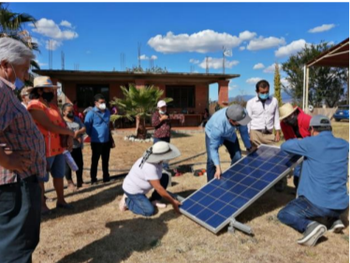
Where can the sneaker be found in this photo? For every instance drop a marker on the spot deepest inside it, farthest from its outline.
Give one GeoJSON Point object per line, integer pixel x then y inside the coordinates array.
{"type": "Point", "coordinates": [122, 204]}
{"type": "Point", "coordinates": [312, 233]}
{"type": "Point", "coordinates": [337, 226]}
{"type": "Point", "coordinates": [158, 204]}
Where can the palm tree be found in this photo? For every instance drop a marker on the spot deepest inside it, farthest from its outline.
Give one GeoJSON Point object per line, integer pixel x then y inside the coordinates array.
{"type": "Point", "coordinates": [12, 25]}
{"type": "Point", "coordinates": [139, 104]}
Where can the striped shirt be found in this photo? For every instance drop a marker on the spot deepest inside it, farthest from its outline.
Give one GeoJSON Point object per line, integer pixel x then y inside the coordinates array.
{"type": "Point", "coordinates": [19, 132]}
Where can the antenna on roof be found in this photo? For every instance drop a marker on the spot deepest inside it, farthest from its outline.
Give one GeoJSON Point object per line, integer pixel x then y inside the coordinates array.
{"type": "Point", "coordinates": [139, 53]}
{"type": "Point", "coordinates": [206, 65]}
{"type": "Point", "coordinates": [122, 61]}
{"type": "Point", "coordinates": [223, 59]}
{"type": "Point", "coordinates": [62, 60]}
{"type": "Point", "coordinates": [50, 45]}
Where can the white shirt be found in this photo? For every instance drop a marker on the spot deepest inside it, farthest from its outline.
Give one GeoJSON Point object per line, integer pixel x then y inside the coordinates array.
{"type": "Point", "coordinates": [263, 117]}
{"type": "Point", "coordinates": [137, 180]}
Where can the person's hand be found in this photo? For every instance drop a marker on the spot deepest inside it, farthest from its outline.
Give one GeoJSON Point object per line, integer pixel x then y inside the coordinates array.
{"type": "Point", "coordinates": [277, 137]}
{"type": "Point", "coordinates": [217, 174]}
{"type": "Point", "coordinates": [17, 161]}
{"type": "Point", "coordinates": [251, 149]}
{"type": "Point", "coordinates": [164, 117]}
{"type": "Point", "coordinates": [76, 135]}
{"type": "Point", "coordinates": [176, 206]}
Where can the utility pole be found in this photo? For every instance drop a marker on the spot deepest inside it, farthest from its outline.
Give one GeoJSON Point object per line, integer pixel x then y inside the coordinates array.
{"type": "Point", "coordinates": [139, 53]}
{"type": "Point", "coordinates": [206, 65]}
{"type": "Point", "coordinates": [62, 60]}
{"type": "Point", "coordinates": [223, 59]}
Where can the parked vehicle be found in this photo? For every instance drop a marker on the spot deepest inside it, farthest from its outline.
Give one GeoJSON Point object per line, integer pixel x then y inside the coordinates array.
{"type": "Point", "coordinates": [342, 113]}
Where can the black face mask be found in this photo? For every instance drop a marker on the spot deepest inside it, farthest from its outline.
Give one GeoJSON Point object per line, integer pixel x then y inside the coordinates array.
{"type": "Point", "coordinates": [70, 115]}
{"type": "Point", "coordinates": [48, 96]}
{"type": "Point", "coordinates": [292, 120]}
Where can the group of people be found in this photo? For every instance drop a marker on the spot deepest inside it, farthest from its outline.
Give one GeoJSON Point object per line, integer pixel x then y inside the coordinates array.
{"type": "Point", "coordinates": [35, 136]}
{"type": "Point", "coordinates": [320, 180]}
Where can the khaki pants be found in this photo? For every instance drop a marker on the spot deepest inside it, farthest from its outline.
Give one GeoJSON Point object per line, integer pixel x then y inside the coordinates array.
{"type": "Point", "coordinates": [258, 138]}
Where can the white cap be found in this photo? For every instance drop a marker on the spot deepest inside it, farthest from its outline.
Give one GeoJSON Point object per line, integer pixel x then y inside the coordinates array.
{"type": "Point", "coordinates": [161, 103]}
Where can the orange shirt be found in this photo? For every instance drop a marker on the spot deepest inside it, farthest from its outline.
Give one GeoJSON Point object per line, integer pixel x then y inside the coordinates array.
{"type": "Point", "coordinates": [52, 140]}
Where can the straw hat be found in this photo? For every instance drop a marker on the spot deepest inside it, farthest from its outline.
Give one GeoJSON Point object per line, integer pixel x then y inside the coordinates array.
{"type": "Point", "coordinates": [160, 151]}
{"type": "Point", "coordinates": [43, 82]}
{"type": "Point", "coordinates": [286, 110]}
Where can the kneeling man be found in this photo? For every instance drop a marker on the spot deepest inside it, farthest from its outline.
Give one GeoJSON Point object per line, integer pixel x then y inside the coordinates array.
{"type": "Point", "coordinates": [322, 191]}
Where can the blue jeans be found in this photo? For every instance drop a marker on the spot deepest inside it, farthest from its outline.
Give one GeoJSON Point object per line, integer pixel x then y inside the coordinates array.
{"type": "Point", "coordinates": [233, 149]}
{"type": "Point", "coordinates": [300, 212]}
{"type": "Point", "coordinates": [20, 211]}
{"type": "Point", "coordinates": [139, 204]}
{"type": "Point", "coordinates": [57, 165]}
{"type": "Point", "coordinates": [164, 139]}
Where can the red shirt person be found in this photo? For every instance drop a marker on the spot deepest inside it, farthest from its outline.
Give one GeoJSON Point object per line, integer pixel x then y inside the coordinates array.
{"type": "Point", "coordinates": [294, 124]}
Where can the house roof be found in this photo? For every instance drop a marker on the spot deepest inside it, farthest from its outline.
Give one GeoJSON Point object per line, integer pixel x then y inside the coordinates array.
{"type": "Point", "coordinates": [337, 56]}
{"type": "Point", "coordinates": [77, 75]}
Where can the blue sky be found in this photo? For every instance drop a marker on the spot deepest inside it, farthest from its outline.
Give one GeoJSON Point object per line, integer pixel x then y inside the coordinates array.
{"type": "Point", "coordinates": [179, 36]}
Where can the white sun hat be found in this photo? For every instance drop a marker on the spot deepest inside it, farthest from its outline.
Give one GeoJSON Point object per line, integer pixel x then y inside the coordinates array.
{"type": "Point", "coordinates": [160, 151]}
{"type": "Point", "coordinates": [161, 103]}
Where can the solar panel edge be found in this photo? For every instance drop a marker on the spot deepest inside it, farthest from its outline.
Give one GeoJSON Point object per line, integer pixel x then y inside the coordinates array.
{"type": "Point", "coordinates": [251, 200]}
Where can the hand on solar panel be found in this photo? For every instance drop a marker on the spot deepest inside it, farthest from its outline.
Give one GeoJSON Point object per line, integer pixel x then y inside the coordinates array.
{"type": "Point", "coordinates": [176, 205]}
{"type": "Point", "coordinates": [252, 149]}
{"type": "Point", "coordinates": [277, 136]}
{"type": "Point", "coordinates": [217, 174]}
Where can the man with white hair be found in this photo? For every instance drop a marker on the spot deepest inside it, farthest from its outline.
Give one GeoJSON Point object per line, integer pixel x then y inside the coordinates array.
{"type": "Point", "coordinates": [322, 191]}
{"type": "Point", "coordinates": [22, 159]}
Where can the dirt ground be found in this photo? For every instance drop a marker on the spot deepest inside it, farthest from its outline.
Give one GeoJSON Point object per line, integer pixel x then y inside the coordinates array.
{"type": "Point", "coordinates": [96, 231]}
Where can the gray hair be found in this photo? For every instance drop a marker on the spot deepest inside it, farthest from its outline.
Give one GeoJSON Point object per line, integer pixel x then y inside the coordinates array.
{"type": "Point", "coordinates": [14, 51]}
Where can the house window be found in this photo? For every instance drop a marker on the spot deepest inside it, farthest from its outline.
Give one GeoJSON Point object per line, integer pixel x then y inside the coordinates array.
{"type": "Point", "coordinates": [183, 96]}
{"type": "Point", "coordinates": [86, 93]}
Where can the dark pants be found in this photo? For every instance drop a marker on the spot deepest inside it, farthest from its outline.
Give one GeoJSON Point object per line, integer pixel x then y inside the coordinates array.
{"type": "Point", "coordinates": [164, 139]}
{"type": "Point", "coordinates": [20, 211]}
{"type": "Point", "coordinates": [300, 212]}
{"type": "Point", "coordinates": [139, 203]}
{"type": "Point", "coordinates": [233, 149]}
{"type": "Point", "coordinates": [77, 155]}
{"type": "Point", "coordinates": [99, 149]}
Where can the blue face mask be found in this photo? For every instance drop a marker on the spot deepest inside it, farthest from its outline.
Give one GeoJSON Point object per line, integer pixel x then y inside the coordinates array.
{"type": "Point", "coordinates": [264, 96]}
{"type": "Point", "coordinates": [19, 84]}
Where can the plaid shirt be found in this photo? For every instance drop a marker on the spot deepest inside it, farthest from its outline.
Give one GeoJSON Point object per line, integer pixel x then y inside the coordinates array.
{"type": "Point", "coordinates": [19, 132]}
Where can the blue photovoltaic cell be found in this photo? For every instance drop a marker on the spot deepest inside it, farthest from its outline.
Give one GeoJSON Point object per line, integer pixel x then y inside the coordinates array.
{"type": "Point", "coordinates": [214, 204]}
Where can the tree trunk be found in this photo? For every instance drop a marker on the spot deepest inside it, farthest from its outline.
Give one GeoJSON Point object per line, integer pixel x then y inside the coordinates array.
{"type": "Point", "coordinates": [141, 128]}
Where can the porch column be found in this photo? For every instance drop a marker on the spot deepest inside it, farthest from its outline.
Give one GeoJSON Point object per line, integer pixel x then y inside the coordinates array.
{"type": "Point", "coordinates": [223, 91]}
{"type": "Point", "coordinates": [140, 83]}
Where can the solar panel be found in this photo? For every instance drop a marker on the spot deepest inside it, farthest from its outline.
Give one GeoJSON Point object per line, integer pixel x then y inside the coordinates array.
{"type": "Point", "coordinates": [216, 203]}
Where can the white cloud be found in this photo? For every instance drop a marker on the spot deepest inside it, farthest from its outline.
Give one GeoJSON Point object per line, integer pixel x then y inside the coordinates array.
{"type": "Point", "coordinates": [41, 64]}
{"type": "Point", "coordinates": [290, 49]}
{"type": "Point", "coordinates": [194, 61]}
{"type": "Point", "coordinates": [50, 29]}
{"type": "Point", "coordinates": [35, 40]}
{"type": "Point", "coordinates": [258, 66]}
{"type": "Point", "coordinates": [285, 82]}
{"type": "Point", "coordinates": [241, 48]}
{"type": "Point", "coordinates": [65, 23]}
{"type": "Point", "coordinates": [319, 29]}
{"type": "Point", "coordinates": [201, 42]}
{"type": "Point", "coordinates": [247, 35]}
{"type": "Point", "coordinates": [232, 86]}
{"type": "Point", "coordinates": [144, 57]}
{"type": "Point", "coordinates": [53, 45]}
{"type": "Point", "coordinates": [264, 43]}
{"type": "Point", "coordinates": [253, 81]}
{"type": "Point", "coordinates": [216, 63]}
{"type": "Point", "coordinates": [271, 68]}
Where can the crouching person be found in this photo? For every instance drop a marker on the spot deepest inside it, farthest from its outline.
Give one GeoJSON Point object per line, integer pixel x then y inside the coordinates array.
{"type": "Point", "coordinates": [145, 175]}
{"type": "Point", "coordinates": [322, 191]}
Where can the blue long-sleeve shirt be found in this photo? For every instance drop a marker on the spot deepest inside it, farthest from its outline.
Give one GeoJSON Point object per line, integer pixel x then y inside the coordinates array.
{"type": "Point", "coordinates": [96, 128]}
{"type": "Point", "coordinates": [324, 171]}
{"type": "Point", "coordinates": [218, 129]}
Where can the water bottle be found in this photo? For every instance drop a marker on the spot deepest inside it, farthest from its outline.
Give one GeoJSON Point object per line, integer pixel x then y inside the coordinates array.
{"type": "Point", "coordinates": [70, 161]}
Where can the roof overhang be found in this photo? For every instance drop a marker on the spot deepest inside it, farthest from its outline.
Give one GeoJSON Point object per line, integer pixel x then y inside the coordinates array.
{"type": "Point", "coordinates": [107, 76]}
{"type": "Point", "coordinates": [337, 56]}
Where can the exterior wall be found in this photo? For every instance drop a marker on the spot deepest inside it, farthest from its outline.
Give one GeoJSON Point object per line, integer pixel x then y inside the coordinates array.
{"type": "Point", "coordinates": [223, 91]}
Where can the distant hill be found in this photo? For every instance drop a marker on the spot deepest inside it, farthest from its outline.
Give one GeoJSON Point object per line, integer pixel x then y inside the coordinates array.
{"type": "Point", "coordinates": [285, 97]}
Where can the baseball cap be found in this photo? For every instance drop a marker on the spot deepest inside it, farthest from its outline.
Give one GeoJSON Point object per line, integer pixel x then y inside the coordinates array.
{"type": "Point", "coordinates": [320, 120]}
{"type": "Point", "coordinates": [161, 103]}
{"type": "Point", "coordinates": [237, 113]}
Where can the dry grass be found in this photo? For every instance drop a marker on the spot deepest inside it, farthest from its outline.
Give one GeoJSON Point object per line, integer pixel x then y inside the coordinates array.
{"type": "Point", "coordinates": [96, 231]}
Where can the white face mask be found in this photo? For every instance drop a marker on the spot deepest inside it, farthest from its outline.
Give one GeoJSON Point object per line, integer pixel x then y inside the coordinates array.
{"type": "Point", "coordinates": [102, 106]}
{"type": "Point", "coordinates": [162, 112]}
